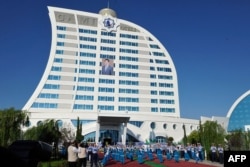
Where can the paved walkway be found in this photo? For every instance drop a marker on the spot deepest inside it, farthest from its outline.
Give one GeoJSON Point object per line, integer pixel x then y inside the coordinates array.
{"type": "Point", "coordinates": [217, 164]}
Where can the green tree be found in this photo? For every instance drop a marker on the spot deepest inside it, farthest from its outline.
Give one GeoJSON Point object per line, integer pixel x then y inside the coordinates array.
{"type": "Point", "coordinates": [79, 136]}
{"type": "Point", "coordinates": [47, 131]}
{"type": "Point", "coordinates": [211, 132]}
{"type": "Point", "coordinates": [236, 140]}
{"type": "Point", "coordinates": [11, 122]}
{"type": "Point", "coordinates": [185, 135]}
{"type": "Point", "coordinates": [170, 140]}
{"type": "Point", "coordinates": [193, 137]}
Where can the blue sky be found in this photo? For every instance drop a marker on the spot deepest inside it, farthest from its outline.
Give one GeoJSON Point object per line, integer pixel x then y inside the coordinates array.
{"type": "Point", "coordinates": [208, 40]}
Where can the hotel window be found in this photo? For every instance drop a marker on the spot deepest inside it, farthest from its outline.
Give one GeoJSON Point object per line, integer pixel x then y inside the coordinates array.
{"type": "Point", "coordinates": [61, 35]}
{"type": "Point", "coordinates": [107, 56]}
{"type": "Point", "coordinates": [86, 71]}
{"type": "Point", "coordinates": [106, 98]}
{"type": "Point", "coordinates": [166, 85]}
{"type": "Point", "coordinates": [107, 81]}
{"type": "Point", "coordinates": [44, 105]}
{"type": "Point", "coordinates": [129, 74]}
{"type": "Point", "coordinates": [85, 88]}
{"type": "Point", "coordinates": [126, 82]}
{"type": "Point", "coordinates": [51, 86]}
{"type": "Point", "coordinates": [152, 68]}
{"type": "Point", "coordinates": [111, 34]}
{"type": "Point", "coordinates": [152, 125]}
{"type": "Point", "coordinates": [87, 31]}
{"type": "Point", "coordinates": [164, 69]}
{"type": "Point", "coordinates": [128, 43]}
{"type": "Point", "coordinates": [128, 108]}
{"type": "Point", "coordinates": [48, 95]}
{"type": "Point", "coordinates": [154, 46]}
{"type": "Point", "coordinates": [108, 49]}
{"type": "Point", "coordinates": [161, 61]}
{"type": "Point", "coordinates": [132, 51]}
{"type": "Point", "coordinates": [128, 66]}
{"type": "Point", "coordinates": [90, 80]}
{"type": "Point", "coordinates": [109, 41]}
{"type": "Point", "coordinates": [61, 28]}
{"type": "Point", "coordinates": [154, 84]}
{"type": "Point", "coordinates": [129, 36]}
{"type": "Point", "coordinates": [87, 39]}
{"type": "Point", "coordinates": [164, 126]}
{"type": "Point", "coordinates": [92, 47]}
{"type": "Point", "coordinates": [154, 109]}
{"type": "Point", "coordinates": [166, 93]}
{"type": "Point", "coordinates": [59, 52]}
{"type": "Point", "coordinates": [169, 110]}
{"type": "Point", "coordinates": [166, 101]}
{"type": "Point", "coordinates": [153, 92]}
{"type": "Point", "coordinates": [128, 99]}
{"type": "Point", "coordinates": [106, 107]}
{"type": "Point", "coordinates": [54, 77]}
{"type": "Point", "coordinates": [158, 54]}
{"type": "Point", "coordinates": [84, 97]}
{"type": "Point", "coordinates": [58, 60]}
{"type": "Point", "coordinates": [85, 54]}
{"type": "Point", "coordinates": [83, 107]}
{"type": "Point", "coordinates": [109, 90]}
{"type": "Point", "coordinates": [168, 77]}
{"type": "Point", "coordinates": [90, 63]}
{"type": "Point", "coordinates": [152, 76]}
{"type": "Point", "coordinates": [126, 58]}
{"type": "Point", "coordinates": [56, 68]}
{"type": "Point", "coordinates": [60, 44]}
{"type": "Point", "coordinates": [129, 91]}
{"type": "Point", "coordinates": [154, 101]}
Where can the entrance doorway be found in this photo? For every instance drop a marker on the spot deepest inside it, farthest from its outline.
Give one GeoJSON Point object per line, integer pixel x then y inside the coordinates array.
{"type": "Point", "coordinates": [107, 141]}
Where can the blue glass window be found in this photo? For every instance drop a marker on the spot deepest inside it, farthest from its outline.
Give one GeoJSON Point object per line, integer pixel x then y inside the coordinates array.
{"type": "Point", "coordinates": [83, 107]}
{"type": "Point", "coordinates": [51, 86]}
{"type": "Point", "coordinates": [84, 97]}
{"type": "Point", "coordinates": [126, 82]}
{"type": "Point", "coordinates": [105, 89]}
{"type": "Point", "coordinates": [85, 88]}
{"type": "Point", "coordinates": [106, 98]}
{"type": "Point", "coordinates": [85, 54]}
{"type": "Point", "coordinates": [48, 95]}
{"type": "Point", "coordinates": [86, 31]}
{"type": "Point", "coordinates": [106, 107]}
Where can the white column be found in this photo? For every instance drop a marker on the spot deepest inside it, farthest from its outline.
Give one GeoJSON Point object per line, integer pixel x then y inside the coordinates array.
{"type": "Point", "coordinates": [124, 134]}
{"type": "Point", "coordinates": [97, 132]}
{"type": "Point", "coordinates": [120, 133]}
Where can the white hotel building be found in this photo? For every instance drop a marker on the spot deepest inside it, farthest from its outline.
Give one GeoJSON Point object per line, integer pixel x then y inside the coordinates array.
{"type": "Point", "coordinates": [137, 101]}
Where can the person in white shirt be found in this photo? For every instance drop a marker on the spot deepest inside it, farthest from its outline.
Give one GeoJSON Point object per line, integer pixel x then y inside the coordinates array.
{"type": "Point", "coordinates": [72, 154]}
{"type": "Point", "coordinates": [213, 150]}
{"type": "Point", "coordinates": [82, 155]}
{"type": "Point", "coordinates": [221, 153]}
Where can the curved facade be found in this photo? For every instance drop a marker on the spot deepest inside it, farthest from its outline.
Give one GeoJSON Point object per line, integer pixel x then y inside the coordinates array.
{"type": "Point", "coordinates": [239, 113]}
{"type": "Point", "coordinates": [103, 67]}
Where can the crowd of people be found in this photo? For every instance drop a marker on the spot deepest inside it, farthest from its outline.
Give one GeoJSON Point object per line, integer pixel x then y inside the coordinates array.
{"type": "Point", "coordinates": [80, 153]}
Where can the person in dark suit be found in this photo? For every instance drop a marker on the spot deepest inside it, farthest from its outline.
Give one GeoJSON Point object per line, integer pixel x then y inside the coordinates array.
{"type": "Point", "coordinates": [107, 69]}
